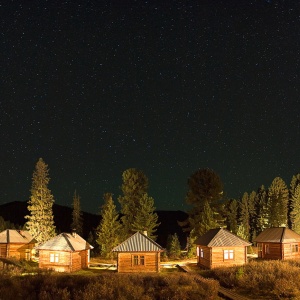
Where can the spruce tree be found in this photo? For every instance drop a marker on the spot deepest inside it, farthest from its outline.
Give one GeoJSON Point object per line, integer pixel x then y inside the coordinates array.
{"type": "Point", "coordinates": [40, 222]}
{"type": "Point", "coordinates": [173, 246]}
{"type": "Point", "coordinates": [205, 190]}
{"type": "Point", "coordinates": [146, 219]}
{"type": "Point", "coordinates": [109, 230]}
{"type": "Point", "coordinates": [294, 183]}
{"type": "Point", "coordinates": [77, 220]}
{"type": "Point", "coordinates": [278, 196]}
{"type": "Point", "coordinates": [252, 215]}
{"type": "Point", "coordinates": [295, 213]}
{"type": "Point", "coordinates": [137, 207]}
{"type": "Point", "coordinates": [231, 211]}
{"type": "Point", "coordinates": [261, 210]}
{"type": "Point", "coordinates": [244, 216]}
{"type": "Point", "coordinates": [206, 220]}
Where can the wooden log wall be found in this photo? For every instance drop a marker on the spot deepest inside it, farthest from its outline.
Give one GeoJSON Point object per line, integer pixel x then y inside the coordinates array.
{"type": "Point", "coordinates": [214, 256]}
{"type": "Point", "coordinates": [151, 262]}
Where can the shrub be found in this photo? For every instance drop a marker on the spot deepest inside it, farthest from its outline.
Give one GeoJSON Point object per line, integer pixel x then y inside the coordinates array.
{"type": "Point", "coordinates": [280, 279]}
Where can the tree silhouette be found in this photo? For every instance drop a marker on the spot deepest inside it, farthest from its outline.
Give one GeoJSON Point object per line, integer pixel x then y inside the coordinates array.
{"type": "Point", "coordinates": [77, 220]}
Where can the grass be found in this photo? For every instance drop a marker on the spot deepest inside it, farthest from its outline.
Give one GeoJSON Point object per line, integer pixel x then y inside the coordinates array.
{"type": "Point", "coordinates": [263, 279]}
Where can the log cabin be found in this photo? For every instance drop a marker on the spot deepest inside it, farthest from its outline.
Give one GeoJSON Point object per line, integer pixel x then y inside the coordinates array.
{"type": "Point", "coordinates": [18, 244]}
{"type": "Point", "coordinates": [219, 247]}
{"type": "Point", "coordinates": [138, 253]}
{"type": "Point", "coordinates": [278, 243]}
{"type": "Point", "coordinates": [66, 252]}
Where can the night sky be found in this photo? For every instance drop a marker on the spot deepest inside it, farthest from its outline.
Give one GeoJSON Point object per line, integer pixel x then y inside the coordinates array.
{"type": "Point", "coordinates": [96, 87]}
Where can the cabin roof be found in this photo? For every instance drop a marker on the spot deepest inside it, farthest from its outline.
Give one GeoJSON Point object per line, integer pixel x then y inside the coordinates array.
{"type": "Point", "coordinates": [220, 237]}
{"type": "Point", "coordinates": [278, 235]}
{"type": "Point", "coordinates": [66, 242]}
{"type": "Point", "coordinates": [138, 242]}
{"type": "Point", "coordinates": [14, 236]}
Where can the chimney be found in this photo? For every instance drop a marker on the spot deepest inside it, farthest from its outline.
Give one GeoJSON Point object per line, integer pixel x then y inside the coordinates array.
{"type": "Point", "coordinates": [74, 233]}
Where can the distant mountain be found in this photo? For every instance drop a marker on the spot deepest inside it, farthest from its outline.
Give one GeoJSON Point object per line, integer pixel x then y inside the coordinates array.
{"type": "Point", "coordinates": [15, 212]}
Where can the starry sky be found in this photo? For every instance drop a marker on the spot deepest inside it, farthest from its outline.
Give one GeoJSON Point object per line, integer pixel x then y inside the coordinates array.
{"type": "Point", "coordinates": [96, 87]}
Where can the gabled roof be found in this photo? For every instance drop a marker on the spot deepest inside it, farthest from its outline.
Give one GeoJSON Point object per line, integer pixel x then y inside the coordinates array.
{"type": "Point", "coordinates": [13, 236]}
{"type": "Point", "coordinates": [66, 242]}
{"type": "Point", "coordinates": [278, 235]}
{"type": "Point", "coordinates": [220, 237]}
{"type": "Point", "coordinates": [138, 242]}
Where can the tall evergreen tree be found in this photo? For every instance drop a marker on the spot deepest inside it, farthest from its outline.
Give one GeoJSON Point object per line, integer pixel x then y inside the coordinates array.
{"type": "Point", "coordinates": [146, 219]}
{"type": "Point", "coordinates": [109, 230]}
{"type": "Point", "coordinates": [231, 212]}
{"type": "Point", "coordinates": [206, 220]}
{"type": "Point", "coordinates": [173, 246]}
{"type": "Point", "coordinates": [205, 190]}
{"type": "Point", "coordinates": [261, 210]}
{"type": "Point", "coordinates": [294, 183]}
{"type": "Point", "coordinates": [295, 213]}
{"type": "Point", "coordinates": [278, 196]}
{"type": "Point", "coordinates": [40, 220]}
{"type": "Point", "coordinates": [244, 216]}
{"type": "Point", "coordinates": [252, 215]}
{"type": "Point", "coordinates": [136, 205]}
{"type": "Point", "coordinates": [77, 220]}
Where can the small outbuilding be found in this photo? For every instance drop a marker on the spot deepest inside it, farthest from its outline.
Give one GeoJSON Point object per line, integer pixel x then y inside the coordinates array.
{"type": "Point", "coordinates": [16, 244]}
{"type": "Point", "coordinates": [278, 243]}
{"type": "Point", "coordinates": [139, 253]}
{"type": "Point", "coordinates": [219, 247]}
{"type": "Point", "coordinates": [67, 252]}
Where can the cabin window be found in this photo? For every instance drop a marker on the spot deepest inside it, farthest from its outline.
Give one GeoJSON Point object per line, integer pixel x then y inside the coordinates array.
{"type": "Point", "coordinates": [54, 257]}
{"type": "Point", "coordinates": [138, 260]}
{"type": "Point", "coordinates": [201, 253]}
{"type": "Point", "coordinates": [294, 248]}
{"type": "Point", "coordinates": [228, 254]}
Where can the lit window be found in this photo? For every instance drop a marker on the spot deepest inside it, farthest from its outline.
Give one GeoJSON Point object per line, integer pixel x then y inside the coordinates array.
{"type": "Point", "coordinates": [228, 254]}
{"type": "Point", "coordinates": [294, 248]}
{"type": "Point", "coordinates": [201, 253]}
{"type": "Point", "coordinates": [54, 257]}
{"type": "Point", "coordinates": [138, 260]}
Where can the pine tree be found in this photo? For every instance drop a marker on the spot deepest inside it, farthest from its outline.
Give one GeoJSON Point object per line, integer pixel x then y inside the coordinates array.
{"type": "Point", "coordinates": [244, 216]}
{"type": "Point", "coordinates": [204, 185]}
{"type": "Point", "coordinates": [278, 202]}
{"type": "Point", "coordinates": [252, 215]}
{"type": "Point", "coordinates": [205, 190]}
{"type": "Point", "coordinates": [294, 183]}
{"type": "Point", "coordinates": [231, 211]}
{"type": "Point", "coordinates": [77, 220]}
{"type": "Point", "coordinates": [109, 230]}
{"type": "Point", "coordinates": [206, 220]}
{"type": "Point", "coordinates": [136, 205]}
{"type": "Point", "coordinates": [261, 210]}
{"type": "Point", "coordinates": [295, 213]}
{"type": "Point", "coordinates": [40, 221]}
{"type": "Point", "coordinates": [173, 246]}
{"type": "Point", "coordinates": [146, 219]}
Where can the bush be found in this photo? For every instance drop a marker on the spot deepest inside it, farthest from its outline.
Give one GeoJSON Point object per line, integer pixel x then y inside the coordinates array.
{"type": "Point", "coordinates": [278, 279]}
{"type": "Point", "coordinates": [109, 286]}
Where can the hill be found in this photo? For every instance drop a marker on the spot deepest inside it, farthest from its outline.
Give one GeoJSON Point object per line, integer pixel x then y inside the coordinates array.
{"type": "Point", "coordinates": [15, 212]}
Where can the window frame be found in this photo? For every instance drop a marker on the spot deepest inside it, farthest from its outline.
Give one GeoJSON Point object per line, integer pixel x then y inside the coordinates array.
{"type": "Point", "coordinates": [54, 257]}
{"type": "Point", "coordinates": [201, 253]}
{"type": "Point", "coordinates": [294, 248]}
{"type": "Point", "coordinates": [228, 254]}
{"type": "Point", "coordinates": [138, 260]}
